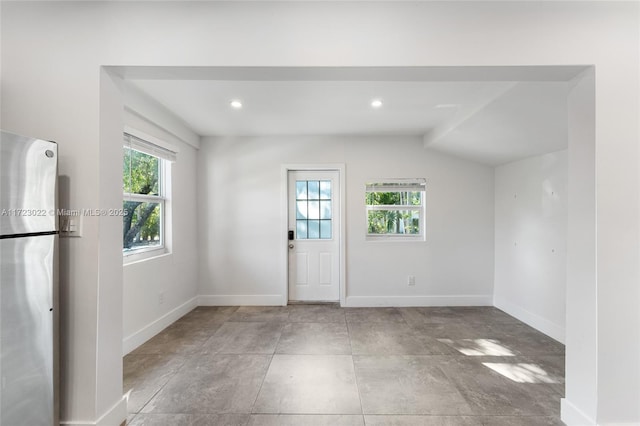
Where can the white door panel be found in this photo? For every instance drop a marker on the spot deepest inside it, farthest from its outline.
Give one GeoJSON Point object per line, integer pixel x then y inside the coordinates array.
{"type": "Point", "coordinates": [302, 268]}
{"type": "Point", "coordinates": [314, 253]}
{"type": "Point", "coordinates": [325, 268]}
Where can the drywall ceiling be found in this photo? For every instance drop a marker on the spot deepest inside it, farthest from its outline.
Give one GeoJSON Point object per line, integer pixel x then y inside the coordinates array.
{"type": "Point", "coordinates": [489, 117]}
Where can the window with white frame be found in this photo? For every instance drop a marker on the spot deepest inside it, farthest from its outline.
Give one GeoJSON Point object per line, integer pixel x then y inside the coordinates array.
{"type": "Point", "coordinates": [145, 186]}
{"type": "Point", "coordinates": [395, 209]}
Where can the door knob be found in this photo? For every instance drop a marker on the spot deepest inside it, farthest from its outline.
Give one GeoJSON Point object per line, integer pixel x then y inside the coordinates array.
{"type": "Point", "coordinates": [290, 246]}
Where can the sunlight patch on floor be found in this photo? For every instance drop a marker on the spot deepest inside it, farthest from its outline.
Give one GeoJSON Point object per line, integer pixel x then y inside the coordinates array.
{"type": "Point", "coordinates": [523, 373]}
{"type": "Point", "coordinates": [479, 347]}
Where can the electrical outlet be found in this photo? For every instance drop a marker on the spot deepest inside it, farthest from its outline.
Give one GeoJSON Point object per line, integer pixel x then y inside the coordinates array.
{"type": "Point", "coordinates": [161, 297]}
{"type": "Point", "coordinates": [411, 280]}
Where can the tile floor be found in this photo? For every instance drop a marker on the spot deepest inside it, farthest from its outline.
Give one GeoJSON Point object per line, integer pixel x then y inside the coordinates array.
{"type": "Point", "coordinates": [321, 365]}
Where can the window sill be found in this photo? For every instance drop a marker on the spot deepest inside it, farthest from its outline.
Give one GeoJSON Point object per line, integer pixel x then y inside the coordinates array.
{"type": "Point", "coordinates": [133, 258]}
{"type": "Point", "coordinates": [395, 239]}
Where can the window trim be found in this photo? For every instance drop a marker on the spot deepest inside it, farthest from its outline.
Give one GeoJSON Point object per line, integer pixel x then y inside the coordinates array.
{"type": "Point", "coordinates": [165, 157]}
{"type": "Point", "coordinates": [397, 185]}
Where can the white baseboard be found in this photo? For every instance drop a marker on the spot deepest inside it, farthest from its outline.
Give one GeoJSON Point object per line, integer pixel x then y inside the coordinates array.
{"type": "Point", "coordinates": [620, 424]}
{"type": "Point", "coordinates": [408, 301]}
{"type": "Point", "coordinates": [114, 416]}
{"type": "Point", "coordinates": [572, 416]}
{"type": "Point", "coordinates": [541, 324]}
{"type": "Point", "coordinates": [136, 339]}
{"type": "Point", "coordinates": [240, 300]}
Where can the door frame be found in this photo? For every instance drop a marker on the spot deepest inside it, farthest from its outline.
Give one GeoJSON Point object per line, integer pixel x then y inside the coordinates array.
{"type": "Point", "coordinates": [284, 203]}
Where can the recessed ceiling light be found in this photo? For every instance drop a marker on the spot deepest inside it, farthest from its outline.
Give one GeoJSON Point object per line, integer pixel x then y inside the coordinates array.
{"type": "Point", "coordinates": [235, 104]}
{"type": "Point", "coordinates": [376, 103]}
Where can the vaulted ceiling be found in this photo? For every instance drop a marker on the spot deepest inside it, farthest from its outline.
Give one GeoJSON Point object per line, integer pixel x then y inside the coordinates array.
{"type": "Point", "coordinates": [488, 114]}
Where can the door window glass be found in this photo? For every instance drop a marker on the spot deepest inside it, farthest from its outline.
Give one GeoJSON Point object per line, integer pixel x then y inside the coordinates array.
{"type": "Point", "coordinates": [313, 210]}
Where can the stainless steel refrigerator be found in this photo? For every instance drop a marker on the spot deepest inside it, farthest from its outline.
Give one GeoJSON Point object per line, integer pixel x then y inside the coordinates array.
{"type": "Point", "coordinates": [28, 281]}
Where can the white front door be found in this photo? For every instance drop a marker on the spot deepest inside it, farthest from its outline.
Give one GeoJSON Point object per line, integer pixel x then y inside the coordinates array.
{"type": "Point", "coordinates": [314, 235]}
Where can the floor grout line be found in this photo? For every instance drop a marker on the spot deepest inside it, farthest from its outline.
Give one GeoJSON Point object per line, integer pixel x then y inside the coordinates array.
{"type": "Point", "coordinates": [355, 375]}
{"type": "Point", "coordinates": [264, 378]}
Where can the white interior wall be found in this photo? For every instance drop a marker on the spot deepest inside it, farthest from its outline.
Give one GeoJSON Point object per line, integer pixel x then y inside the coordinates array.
{"type": "Point", "coordinates": [173, 275]}
{"type": "Point", "coordinates": [458, 226]}
{"type": "Point", "coordinates": [110, 253]}
{"type": "Point", "coordinates": [241, 212]}
{"type": "Point", "coordinates": [51, 57]}
{"type": "Point", "coordinates": [581, 351]}
{"type": "Point", "coordinates": [530, 241]}
{"type": "Point", "coordinates": [75, 125]}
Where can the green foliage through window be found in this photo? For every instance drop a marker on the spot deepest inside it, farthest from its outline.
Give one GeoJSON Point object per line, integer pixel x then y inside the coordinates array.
{"type": "Point", "coordinates": [142, 222]}
{"type": "Point", "coordinates": [395, 209]}
{"type": "Point", "coordinates": [140, 173]}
